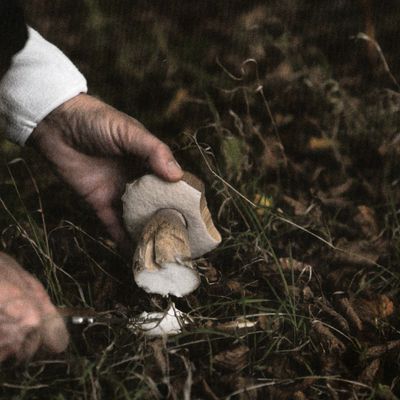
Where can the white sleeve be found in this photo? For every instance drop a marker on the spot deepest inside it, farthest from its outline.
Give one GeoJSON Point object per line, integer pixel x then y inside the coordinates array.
{"type": "Point", "coordinates": [39, 79]}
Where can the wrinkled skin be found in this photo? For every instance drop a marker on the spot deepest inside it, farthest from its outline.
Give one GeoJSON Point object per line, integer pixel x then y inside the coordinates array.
{"type": "Point", "coordinates": [89, 145]}
{"type": "Point", "coordinates": [28, 319]}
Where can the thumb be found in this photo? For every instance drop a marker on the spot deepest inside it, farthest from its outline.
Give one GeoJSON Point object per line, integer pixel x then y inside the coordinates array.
{"type": "Point", "coordinates": [163, 163]}
{"type": "Point", "coordinates": [54, 334]}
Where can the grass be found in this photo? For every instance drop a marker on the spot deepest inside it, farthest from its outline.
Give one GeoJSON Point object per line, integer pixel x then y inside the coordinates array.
{"type": "Point", "coordinates": [286, 265]}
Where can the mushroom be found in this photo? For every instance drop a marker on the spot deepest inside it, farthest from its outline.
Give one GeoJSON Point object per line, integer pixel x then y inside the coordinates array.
{"type": "Point", "coordinates": [172, 224]}
{"type": "Point", "coordinates": [165, 323]}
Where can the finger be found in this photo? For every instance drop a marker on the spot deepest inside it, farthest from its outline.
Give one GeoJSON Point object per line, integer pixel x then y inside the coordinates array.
{"type": "Point", "coordinates": [29, 346]}
{"type": "Point", "coordinates": [5, 352]}
{"type": "Point", "coordinates": [163, 163]}
{"type": "Point", "coordinates": [131, 138]}
{"type": "Point", "coordinates": [53, 332]}
{"type": "Point", "coordinates": [19, 329]}
{"type": "Point", "coordinates": [112, 221]}
{"type": "Point", "coordinates": [136, 140]}
{"type": "Point", "coordinates": [92, 126]}
{"type": "Point", "coordinates": [55, 337]}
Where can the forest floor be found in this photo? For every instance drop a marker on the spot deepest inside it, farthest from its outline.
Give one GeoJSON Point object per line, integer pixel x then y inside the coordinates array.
{"type": "Point", "coordinates": [291, 118]}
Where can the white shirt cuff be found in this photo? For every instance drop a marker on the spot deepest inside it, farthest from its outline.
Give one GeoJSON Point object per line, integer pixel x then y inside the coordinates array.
{"type": "Point", "coordinates": [40, 79]}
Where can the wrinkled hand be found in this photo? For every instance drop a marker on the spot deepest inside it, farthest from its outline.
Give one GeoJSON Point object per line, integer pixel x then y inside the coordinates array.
{"type": "Point", "coordinates": [89, 142]}
{"type": "Point", "coordinates": [28, 319]}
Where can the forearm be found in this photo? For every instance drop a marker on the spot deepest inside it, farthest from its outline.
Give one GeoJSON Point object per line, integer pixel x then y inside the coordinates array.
{"type": "Point", "coordinates": [39, 79]}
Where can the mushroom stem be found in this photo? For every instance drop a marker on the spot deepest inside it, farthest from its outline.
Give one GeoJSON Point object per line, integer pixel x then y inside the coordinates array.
{"type": "Point", "coordinates": [162, 261]}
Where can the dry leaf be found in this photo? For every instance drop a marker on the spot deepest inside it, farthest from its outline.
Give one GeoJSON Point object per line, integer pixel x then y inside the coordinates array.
{"type": "Point", "coordinates": [299, 396]}
{"type": "Point", "coordinates": [369, 373]}
{"type": "Point", "coordinates": [308, 294]}
{"type": "Point", "coordinates": [378, 351]}
{"type": "Point", "coordinates": [367, 221]}
{"type": "Point", "coordinates": [341, 322]}
{"type": "Point", "coordinates": [333, 202]}
{"type": "Point", "coordinates": [180, 98]}
{"type": "Point", "coordinates": [236, 325]}
{"type": "Point", "coordinates": [316, 144]}
{"type": "Point", "coordinates": [298, 207]}
{"type": "Point", "coordinates": [208, 391]}
{"type": "Point", "coordinates": [233, 360]}
{"type": "Point", "coordinates": [242, 383]}
{"type": "Point", "coordinates": [370, 310]}
{"type": "Point", "coordinates": [360, 253]}
{"type": "Point", "coordinates": [340, 278]}
{"type": "Point", "coordinates": [290, 264]}
{"type": "Point", "coordinates": [263, 321]}
{"type": "Point", "coordinates": [211, 274]}
{"type": "Point", "coordinates": [235, 286]}
{"type": "Point", "coordinates": [347, 308]}
{"type": "Point", "coordinates": [328, 338]}
{"type": "Point", "coordinates": [342, 189]}
{"type": "Point", "coordinates": [273, 156]}
{"type": "Point", "coordinates": [159, 353]}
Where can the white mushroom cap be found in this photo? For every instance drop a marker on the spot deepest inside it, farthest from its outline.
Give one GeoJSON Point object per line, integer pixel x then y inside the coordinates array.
{"type": "Point", "coordinates": [150, 193]}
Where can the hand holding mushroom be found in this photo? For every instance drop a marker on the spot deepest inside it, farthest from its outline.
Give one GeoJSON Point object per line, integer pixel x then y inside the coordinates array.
{"type": "Point", "coordinates": [88, 142]}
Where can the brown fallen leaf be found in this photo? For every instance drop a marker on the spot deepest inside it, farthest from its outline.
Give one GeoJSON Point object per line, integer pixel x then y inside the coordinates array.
{"type": "Point", "coordinates": [298, 207]}
{"type": "Point", "coordinates": [348, 310]}
{"type": "Point", "coordinates": [367, 221]}
{"type": "Point", "coordinates": [211, 274]}
{"type": "Point", "coordinates": [318, 144]}
{"type": "Point", "coordinates": [245, 383]}
{"type": "Point", "coordinates": [308, 294]}
{"type": "Point", "coordinates": [159, 354]}
{"type": "Point", "coordinates": [328, 338]}
{"type": "Point", "coordinates": [341, 322]}
{"type": "Point", "coordinates": [341, 278]}
{"type": "Point", "coordinates": [180, 98]}
{"type": "Point", "coordinates": [234, 286]}
{"type": "Point", "coordinates": [242, 386]}
{"type": "Point", "coordinates": [342, 189]}
{"type": "Point", "coordinates": [271, 323]}
{"type": "Point", "coordinates": [369, 310]}
{"type": "Point", "coordinates": [237, 287]}
{"type": "Point", "coordinates": [369, 373]}
{"type": "Point", "coordinates": [299, 396]}
{"type": "Point", "coordinates": [360, 253]}
{"type": "Point", "coordinates": [384, 392]}
{"type": "Point", "coordinates": [208, 391]}
{"type": "Point", "coordinates": [264, 322]}
{"type": "Point", "coordinates": [333, 202]}
{"type": "Point", "coordinates": [234, 359]}
{"type": "Point", "coordinates": [291, 264]}
{"type": "Point", "coordinates": [273, 156]}
{"type": "Point", "coordinates": [387, 306]}
{"type": "Point", "coordinates": [239, 324]}
{"type": "Point", "coordinates": [379, 350]}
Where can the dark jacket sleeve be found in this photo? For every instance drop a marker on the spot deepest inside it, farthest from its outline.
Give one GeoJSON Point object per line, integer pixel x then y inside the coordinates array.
{"type": "Point", "coordinates": [13, 33]}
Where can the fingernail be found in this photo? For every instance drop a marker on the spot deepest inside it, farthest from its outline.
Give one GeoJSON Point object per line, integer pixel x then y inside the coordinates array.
{"type": "Point", "coordinates": [174, 167]}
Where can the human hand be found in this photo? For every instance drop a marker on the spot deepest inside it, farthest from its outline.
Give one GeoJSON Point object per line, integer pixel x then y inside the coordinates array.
{"type": "Point", "coordinates": [28, 319]}
{"type": "Point", "coordinates": [89, 142]}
